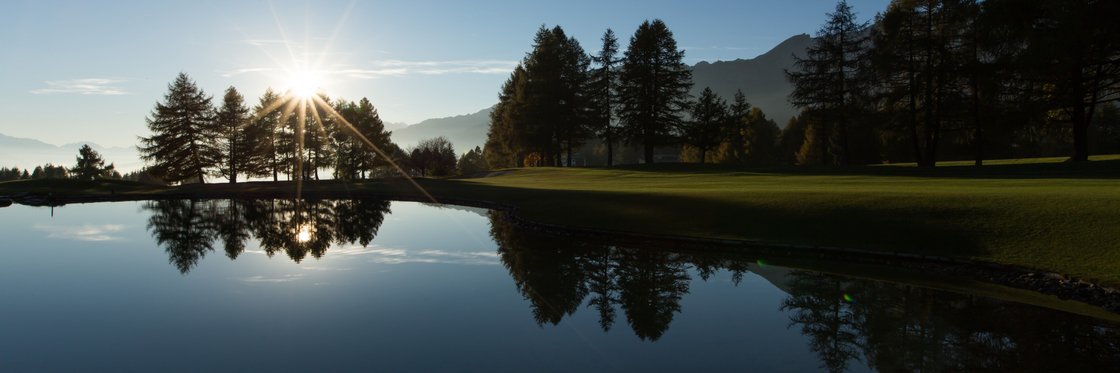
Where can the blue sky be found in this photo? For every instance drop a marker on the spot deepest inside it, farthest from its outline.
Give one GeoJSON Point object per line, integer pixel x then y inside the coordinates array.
{"type": "Point", "coordinates": [91, 71]}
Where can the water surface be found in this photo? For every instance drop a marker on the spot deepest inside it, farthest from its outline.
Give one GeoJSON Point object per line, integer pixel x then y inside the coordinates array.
{"type": "Point", "coordinates": [376, 285]}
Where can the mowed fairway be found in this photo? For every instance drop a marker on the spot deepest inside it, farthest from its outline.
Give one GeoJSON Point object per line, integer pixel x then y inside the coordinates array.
{"type": "Point", "coordinates": [1055, 217]}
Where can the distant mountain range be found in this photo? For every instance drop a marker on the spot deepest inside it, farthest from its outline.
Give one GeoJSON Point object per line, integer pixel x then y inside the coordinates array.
{"type": "Point", "coordinates": [762, 80]}
{"type": "Point", "coordinates": [28, 153]}
{"type": "Point", "coordinates": [464, 131]}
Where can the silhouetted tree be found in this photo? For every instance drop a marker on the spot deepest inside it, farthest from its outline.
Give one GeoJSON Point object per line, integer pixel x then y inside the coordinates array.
{"type": "Point", "coordinates": [472, 162]}
{"type": "Point", "coordinates": [182, 127]}
{"type": "Point", "coordinates": [824, 80]}
{"type": "Point", "coordinates": [433, 157]}
{"type": "Point", "coordinates": [653, 88]}
{"type": "Point", "coordinates": [90, 166]}
{"type": "Point", "coordinates": [604, 92]}
{"type": "Point", "coordinates": [705, 129]}
{"type": "Point", "coordinates": [506, 138]}
{"type": "Point", "coordinates": [1071, 62]}
{"type": "Point", "coordinates": [760, 138]}
{"type": "Point", "coordinates": [236, 140]}
{"type": "Point", "coordinates": [555, 97]}
{"type": "Point", "coordinates": [355, 158]}
{"type": "Point", "coordinates": [265, 126]}
{"type": "Point", "coordinates": [732, 148]}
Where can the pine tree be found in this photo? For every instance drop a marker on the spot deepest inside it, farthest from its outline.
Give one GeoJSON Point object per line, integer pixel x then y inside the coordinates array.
{"type": "Point", "coordinates": [354, 157]}
{"type": "Point", "coordinates": [182, 127]}
{"type": "Point", "coordinates": [761, 138]}
{"type": "Point", "coordinates": [90, 166]}
{"type": "Point", "coordinates": [505, 140]}
{"type": "Point", "coordinates": [653, 88]}
{"type": "Point", "coordinates": [555, 95]}
{"type": "Point", "coordinates": [235, 135]}
{"type": "Point", "coordinates": [824, 80]}
{"type": "Point", "coordinates": [604, 92]}
{"type": "Point", "coordinates": [265, 127]}
{"type": "Point", "coordinates": [706, 128]}
{"type": "Point", "coordinates": [734, 145]}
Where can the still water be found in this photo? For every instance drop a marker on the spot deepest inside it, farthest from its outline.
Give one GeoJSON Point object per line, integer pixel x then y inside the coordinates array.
{"type": "Point", "coordinates": [361, 285]}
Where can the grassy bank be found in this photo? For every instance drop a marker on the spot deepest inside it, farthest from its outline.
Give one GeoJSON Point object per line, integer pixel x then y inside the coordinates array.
{"type": "Point", "coordinates": [1051, 216]}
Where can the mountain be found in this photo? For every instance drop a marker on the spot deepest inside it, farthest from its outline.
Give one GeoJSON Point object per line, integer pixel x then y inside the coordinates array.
{"type": "Point", "coordinates": [762, 79]}
{"type": "Point", "coordinates": [28, 153]}
{"type": "Point", "coordinates": [464, 131]}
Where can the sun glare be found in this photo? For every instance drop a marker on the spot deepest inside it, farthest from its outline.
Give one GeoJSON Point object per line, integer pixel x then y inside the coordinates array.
{"type": "Point", "coordinates": [303, 84]}
{"type": "Point", "coordinates": [304, 234]}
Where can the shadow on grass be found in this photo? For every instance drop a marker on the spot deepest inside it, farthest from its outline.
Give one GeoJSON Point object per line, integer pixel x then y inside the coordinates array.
{"type": "Point", "coordinates": [936, 230]}
{"type": "Point", "coordinates": [1101, 169]}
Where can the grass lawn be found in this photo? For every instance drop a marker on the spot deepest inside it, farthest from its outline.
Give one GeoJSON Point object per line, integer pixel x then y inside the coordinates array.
{"type": "Point", "coordinates": [1035, 213]}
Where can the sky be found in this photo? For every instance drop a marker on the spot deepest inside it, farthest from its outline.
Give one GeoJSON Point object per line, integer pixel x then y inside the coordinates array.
{"type": "Point", "coordinates": [75, 71]}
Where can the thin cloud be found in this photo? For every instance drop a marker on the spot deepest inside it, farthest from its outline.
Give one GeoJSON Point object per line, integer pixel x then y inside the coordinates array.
{"type": "Point", "coordinates": [89, 86]}
{"type": "Point", "coordinates": [227, 74]}
{"type": "Point", "coordinates": [89, 233]}
{"type": "Point", "coordinates": [281, 279]}
{"type": "Point", "coordinates": [398, 68]}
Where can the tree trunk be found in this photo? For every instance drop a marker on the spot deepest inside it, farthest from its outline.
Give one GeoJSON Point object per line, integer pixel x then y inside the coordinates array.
{"type": "Point", "coordinates": [1080, 134]}
{"type": "Point", "coordinates": [610, 152]}
{"type": "Point", "coordinates": [648, 153]}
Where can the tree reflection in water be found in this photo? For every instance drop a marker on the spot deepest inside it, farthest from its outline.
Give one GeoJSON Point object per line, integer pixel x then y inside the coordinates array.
{"type": "Point", "coordinates": [889, 326]}
{"type": "Point", "coordinates": [187, 229]}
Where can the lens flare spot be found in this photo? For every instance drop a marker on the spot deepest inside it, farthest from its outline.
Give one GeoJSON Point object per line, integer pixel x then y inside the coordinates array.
{"type": "Point", "coordinates": [304, 234]}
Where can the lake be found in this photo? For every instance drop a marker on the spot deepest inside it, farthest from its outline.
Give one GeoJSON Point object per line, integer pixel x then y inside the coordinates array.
{"type": "Point", "coordinates": [364, 285]}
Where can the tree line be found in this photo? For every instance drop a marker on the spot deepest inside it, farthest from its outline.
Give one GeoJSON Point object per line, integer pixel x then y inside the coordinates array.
{"type": "Point", "coordinates": [192, 139]}
{"type": "Point", "coordinates": [88, 166]}
{"type": "Point", "coordinates": [555, 100]}
{"type": "Point", "coordinates": [928, 79]}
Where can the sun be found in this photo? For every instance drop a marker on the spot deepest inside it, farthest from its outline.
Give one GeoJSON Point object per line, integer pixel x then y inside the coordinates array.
{"type": "Point", "coordinates": [303, 84]}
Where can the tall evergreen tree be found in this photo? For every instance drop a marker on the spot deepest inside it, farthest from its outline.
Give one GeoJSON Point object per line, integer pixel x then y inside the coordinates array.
{"type": "Point", "coordinates": [824, 80]}
{"type": "Point", "coordinates": [604, 92]}
{"type": "Point", "coordinates": [182, 127]}
{"type": "Point", "coordinates": [555, 100]}
{"type": "Point", "coordinates": [734, 145]}
{"type": "Point", "coordinates": [355, 159]}
{"type": "Point", "coordinates": [653, 88]}
{"type": "Point", "coordinates": [235, 138]}
{"type": "Point", "coordinates": [1071, 65]}
{"type": "Point", "coordinates": [505, 138]}
{"type": "Point", "coordinates": [265, 127]}
{"type": "Point", "coordinates": [706, 128]}
{"type": "Point", "coordinates": [89, 165]}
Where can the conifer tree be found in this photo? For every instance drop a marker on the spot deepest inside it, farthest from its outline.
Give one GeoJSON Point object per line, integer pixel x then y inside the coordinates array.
{"type": "Point", "coordinates": [824, 80]}
{"type": "Point", "coordinates": [653, 88]}
{"type": "Point", "coordinates": [236, 137]}
{"type": "Point", "coordinates": [706, 127]}
{"type": "Point", "coordinates": [505, 138]}
{"type": "Point", "coordinates": [181, 146]}
{"type": "Point", "coordinates": [604, 92]}
{"type": "Point", "coordinates": [265, 127]}
{"type": "Point", "coordinates": [90, 166]}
